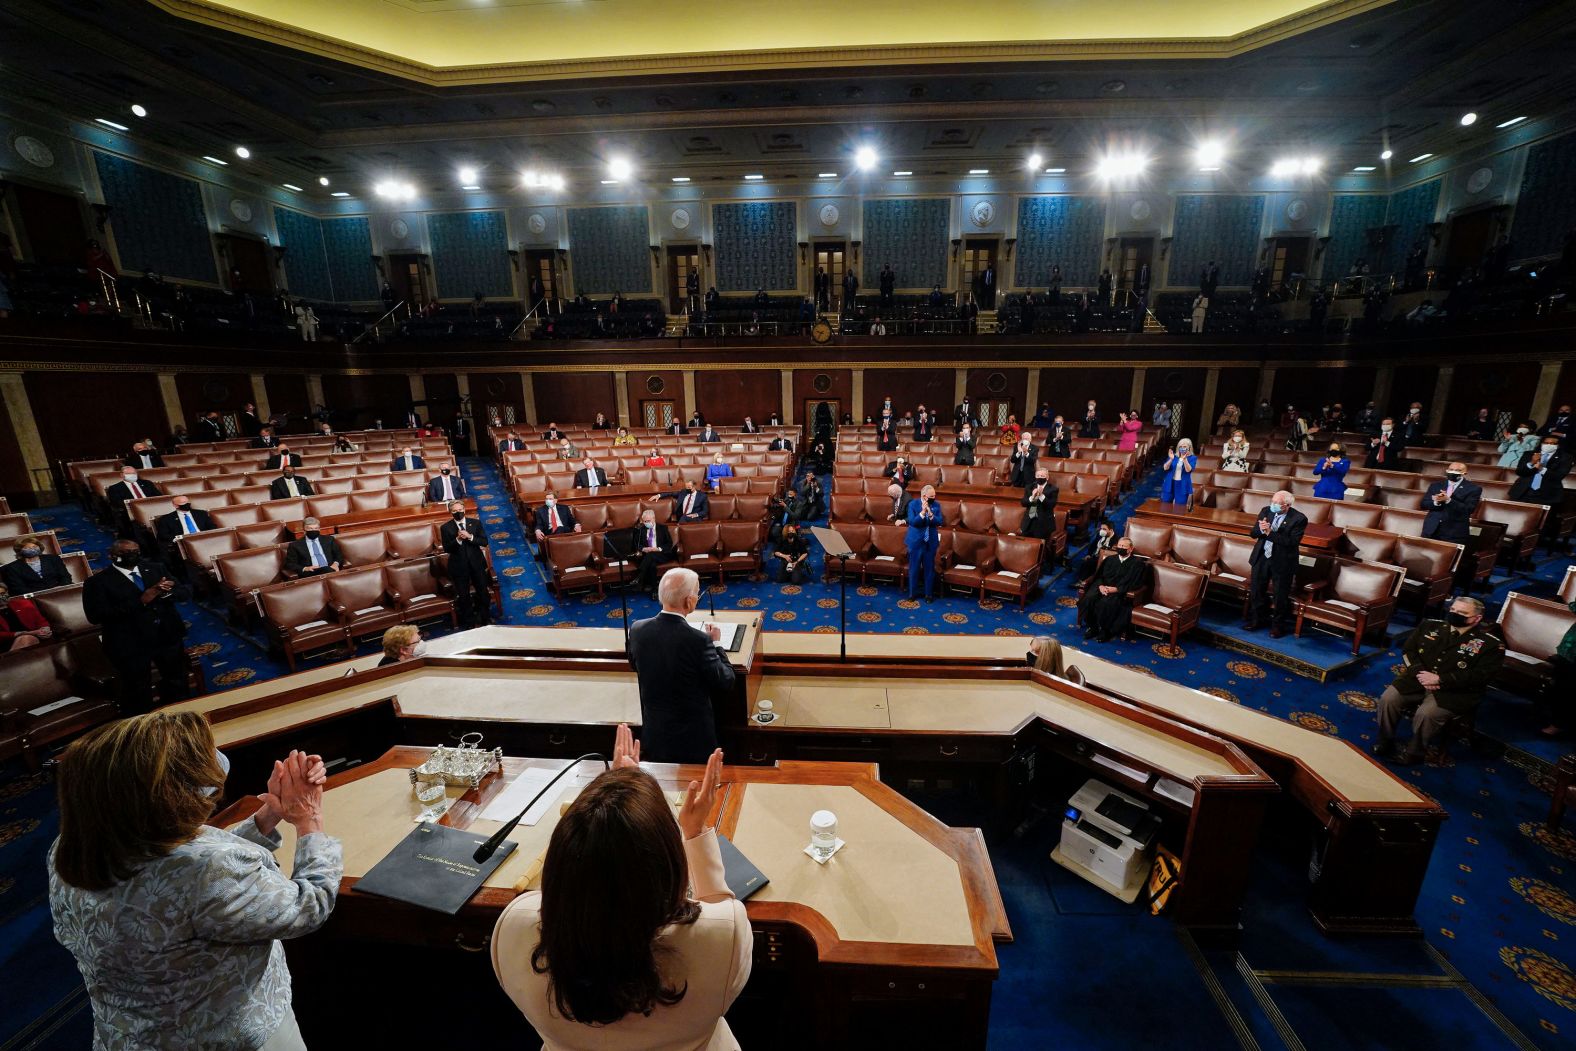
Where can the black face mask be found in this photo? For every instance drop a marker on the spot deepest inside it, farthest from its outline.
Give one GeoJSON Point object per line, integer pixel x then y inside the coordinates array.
{"type": "Point", "coordinates": [1457, 620]}
{"type": "Point", "coordinates": [313, 534]}
{"type": "Point", "coordinates": [1454, 476]}
{"type": "Point", "coordinates": [459, 516]}
{"type": "Point", "coordinates": [444, 471]}
{"type": "Point", "coordinates": [127, 561]}
{"type": "Point", "coordinates": [30, 553]}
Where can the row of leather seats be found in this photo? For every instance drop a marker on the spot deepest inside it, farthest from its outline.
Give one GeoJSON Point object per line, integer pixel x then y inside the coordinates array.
{"type": "Point", "coordinates": [596, 560]}
{"type": "Point", "coordinates": [973, 562]}
{"type": "Point", "coordinates": [970, 514]}
{"type": "Point", "coordinates": [259, 508]}
{"type": "Point", "coordinates": [526, 463]}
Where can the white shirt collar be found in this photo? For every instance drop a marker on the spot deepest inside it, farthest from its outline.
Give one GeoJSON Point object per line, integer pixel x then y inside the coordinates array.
{"type": "Point", "coordinates": [125, 572]}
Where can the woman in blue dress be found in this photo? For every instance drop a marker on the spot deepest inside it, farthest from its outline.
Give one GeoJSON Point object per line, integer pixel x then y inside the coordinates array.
{"type": "Point", "coordinates": [1177, 486]}
{"type": "Point", "coordinates": [1331, 470]}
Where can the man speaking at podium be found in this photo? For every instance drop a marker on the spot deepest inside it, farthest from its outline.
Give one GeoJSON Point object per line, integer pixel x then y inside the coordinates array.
{"type": "Point", "coordinates": [680, 672]}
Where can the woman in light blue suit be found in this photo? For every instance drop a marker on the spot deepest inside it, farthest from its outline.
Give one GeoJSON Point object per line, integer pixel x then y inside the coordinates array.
{"type": "Point", "coordinates": [1331, 470]}
{"type": "Point", "coordinates": [1177, 486]}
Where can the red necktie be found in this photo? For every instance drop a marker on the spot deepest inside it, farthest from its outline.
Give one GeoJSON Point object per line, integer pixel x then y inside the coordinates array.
{"type": "Point", "coordinates": [136, 490]}
{"type": "Point", "coordinates": [552, 518]}
{"type": "Point", "coordinates": [1381, 451]}
{"type": "Point", "coordinates": [689, 503]}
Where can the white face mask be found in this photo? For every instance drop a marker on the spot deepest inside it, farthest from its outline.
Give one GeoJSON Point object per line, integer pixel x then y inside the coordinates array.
{"type": "Point", "coordinates": [1386, 430]}
{"type": "Point", "coordinates": [551, 501]}
{"type": "Point", "coordinates": [420, 649]}
{"type": "Point", "coordinates": [1550, 450]}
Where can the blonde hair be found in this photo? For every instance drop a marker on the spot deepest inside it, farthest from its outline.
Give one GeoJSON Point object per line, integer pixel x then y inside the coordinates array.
{"type": "Point", "coordinates": [1048, 655]}
{"type": "Point", "coordinates": [398, 637]}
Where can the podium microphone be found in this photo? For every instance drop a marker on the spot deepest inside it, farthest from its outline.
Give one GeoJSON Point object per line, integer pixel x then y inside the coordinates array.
{"type": "Point", "coordinates": [487, 849]}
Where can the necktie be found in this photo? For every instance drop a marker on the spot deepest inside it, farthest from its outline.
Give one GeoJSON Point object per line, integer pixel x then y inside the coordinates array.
{"type": "Point", "coordinates": [448, 489]}
{"type": "Point", "coordinates": [1537, 479]}
{"type": "Point", "coordinates": [1381, 451]}
{"type": "Point", "coordinates": [290, 487]}
{"type": "Point", "coordinates": [147, 461]}
{"type": "Point", "coordinates": [136, 578]}
{"type": "Point", "coordinates": [1450, 490]}
{"type": "Point", "coordinates": [186, 522]}
{"type": "Point", "coordinates": [136, 490]}
{"type": "Point", "coordinates": [317, 553]}
{"type": "Point", "coordinates": [651, 537]}
{"type": "Point", "coordinates": [689, 503]}
{"type": "Point", "coordinates": [552, 518]}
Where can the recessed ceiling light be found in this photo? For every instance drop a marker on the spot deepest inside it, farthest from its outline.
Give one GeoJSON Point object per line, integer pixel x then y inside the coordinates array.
{"type": "Point", "coordinates": [619, 168]}
{"type": "Point", "coordinates": [1034, 161]}
{"type": "Point", "coordinates": [467, 174]}
{"type": "Point", "coordinates": [903, 173]}
{"type": "Point", "coordinates": [754, 178]}
{"type": "Point", "coordinates": [979, 171]}
{"type": "Point", "coordinates": [681, 178]}
{"type": "Point", "coordinates": [1055, 171]}
{"type": "Point", "coordinates": [399, 191]}
{"type": "Point", "coordinates": [242, 152]}
{"type": "Point", "coordinates": [1363, 168]}
{"type": "Point", "coordinates": [138, 110]}
{"type": "Point", "coordinates": [1209, 168]}
{"type": "Point", "coordinates": [828, 175]}
{"type": "Point", "coordinates": [111, 124]}
{"type": "Point", "coordinates": [291, 186]}
{"type": "Point", "coordinates": [1311, 165]}
{"type": "Point", "coordinates": [1386, 155]}
{"type": "Point", "coordinates": [1420, 157]}
{"type": "Point", "coordinates": [339, 193]}
{"type": "Point", "coordinates": [1118, 165]}
{"type": "Point", "coordinates": [322, 180]}
{"type": "Point", "coordinates": [215, 160]}
{"type": "Point", "coordinates": [609, 182]}
{"type": "Point", "coordinates": [1468, 119]}
{"type": "Point", "coordinates": [865, 158]}
{"type": "Point", "coordinates": [555, 182]}
{"type": "Point", "coordinates": [472, 187]}
{"type": "Point", "coordinates": [1210, 155]}
{"type": "Point", "coordinates": [1295, 165]}
{"type": "Point", "coordinates": [1510, 123]}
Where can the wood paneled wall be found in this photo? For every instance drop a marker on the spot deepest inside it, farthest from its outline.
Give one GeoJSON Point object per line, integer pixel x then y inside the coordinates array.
{"type": "Point", "coordinates": [638, 389]}
{"type": "Point", "coordinates": [805, 397]}
{"type": "Point", "coordinates": [908, 388]}
{"type": "Point", "coordinates": [1236, 386]}
{"type": "Point", "coordinates": [81, 415]}
{"type": "Point", "coordinates": [1069, 391]}
{"type": "Point", "coordinates": [359, 401]}
{"type": "Point", "coordinates": [287, 392]}
{"type": "Point", "coordinates": [1497, 386]}
{"type": "Point", "coordinates": [1173, 385]}
{"type": "Point", "coordinates": [726, 396]}
{"type": "Point", "coordinates": [500, 388]}
{"type": "Point", "coordinates": [572, 396]}
{"type": "Point", "coordinates": [201, 391]}
{"type": "Point", "coordinates": [443, 397]}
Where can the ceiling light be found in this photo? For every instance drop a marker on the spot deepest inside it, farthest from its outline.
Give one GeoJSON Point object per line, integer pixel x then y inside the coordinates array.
{"type": "Point", "coordinates": [681, 178]}
{"type": "Point", "coordinates": [215, 160]}
{"type": "Point", "coordinates": [828, 175]}
{"type": "Point", "coordinates": [1311, 165]}
{"type": "Point", "coordinates": [1420, 157]}
{"type": "Point", "coordinates": [865, 158]}
{"type": "Point", "coordinates": [339, 193]}
{"type": "Point", "coordinates": [754, 178]}
{"type": "Point", "coordinates": [138, 110]}
{"type": "Point", "coordinates": [1283, 167]}
{"type": "Point", "coordinates": [111, 124]}
{"type": "Point", "coordinates": [471, 187]}
{"type": "Point", "coordinates": [398, 191]}
{"type": "Point", "coordinates": [1363, 168]}
{"type": "Point", "coordinates": [531, 178]}
{"type": "Point", "coordinates": [979, 171]}
{"type": "Point", "coordinates": [291, 186]}
{"type": "Point", "coordinates": [1121, 165]}
{"type": "Point", "coordinates": [242, 152]}
{"type": "Point", "coordinates": [1510, 123]}
{"type": "Point", "coordinates": [1210, 155]}
{"type": "Point", "coordinates": [467, 174]}
{"type": "Point", "coordinates": [1055, 171]}
{"type": "Point", "coordinates": [1034, 161]}
{"type": "Point", "coordinates": [1468, 119]}
{"type": "Point", "coordinates": [609, 182]}
{"type": "Point", "coordinates": [903, 173]}
{"type": "Point", "coordinates": [322, 180]}
{"type": "Point", "coordinates": [555, 182]}
{"type": "Point", "coordinates": [1386, 155]}
{"type": "Point", "coordinates": [620, 168]}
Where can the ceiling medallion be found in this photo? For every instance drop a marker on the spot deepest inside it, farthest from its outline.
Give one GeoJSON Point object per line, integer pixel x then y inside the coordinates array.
{"type": "Point", "coordinates": [400, 229]}
{"type": "Point", "coordinates": [1478, 181]}
{"type": "Point", "coordinates": [829, 215]}
{"type": "Point", "coordinates": [1297, 210]}
{"type": "Point", "coordinates": [983, 213]}
{"type": "Point", "coordinates": [680, 219]}
{"type": "Point", "coordinates": [536, 222]}
{"type": "Point", "coordinates": [241, 210]}
{"type": "Point", "coordinates": [1140, 211]}
{"type": "Point", "coordinates": [33, 151]}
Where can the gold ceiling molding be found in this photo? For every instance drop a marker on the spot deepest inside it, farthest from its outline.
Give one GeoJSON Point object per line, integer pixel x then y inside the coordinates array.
{"type": "Point", "coordinates": [218, 14]}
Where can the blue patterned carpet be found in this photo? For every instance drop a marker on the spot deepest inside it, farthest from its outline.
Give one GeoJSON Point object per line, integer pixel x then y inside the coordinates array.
{"type": "Point", "coordinates": [1498, 907]}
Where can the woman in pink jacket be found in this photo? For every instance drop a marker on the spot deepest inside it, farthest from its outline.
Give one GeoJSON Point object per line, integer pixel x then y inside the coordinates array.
{"type": "Point", "coordinates": [1130, 426]}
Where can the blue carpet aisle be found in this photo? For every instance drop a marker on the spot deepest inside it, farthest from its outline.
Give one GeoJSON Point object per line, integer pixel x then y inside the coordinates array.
{"type": "Point", "coordinates": [1498, 907]}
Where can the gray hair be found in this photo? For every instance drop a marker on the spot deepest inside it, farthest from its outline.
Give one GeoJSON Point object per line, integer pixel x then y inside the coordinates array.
{"type": "Point", "coordinates": [1475, 603]}
{"type": "Point", "coordinates": [309, 521]}
{"type": "Point", "coordinates": [677, 585]}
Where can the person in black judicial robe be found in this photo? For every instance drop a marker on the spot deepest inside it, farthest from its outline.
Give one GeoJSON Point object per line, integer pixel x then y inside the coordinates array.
{"type": "Point", "coordinates": [133, 601]}
{"type": "Point", "coordinates": [681, 674]}
{"type": "Point", "coordinates": [282, 456]}
{"type": "Point", "coordinates": [691, 504]}
{"type": "Point", "coordinates": [1021, 466]}
{"type": "Point", "coordinates": [1278, 538]}
{"type": "Point", "coordinates": [465, 540]}
{"type": "Point", "coordinates": [1450, 503]}
{"type": "Point", "coordinates": [279, 488]}
{"type": "Point", "coordinates": [649, 545]}
{"type": "Point", "coordinates": [1039, 502]}
{"type": "Point", "coordinates": [1105, 606]}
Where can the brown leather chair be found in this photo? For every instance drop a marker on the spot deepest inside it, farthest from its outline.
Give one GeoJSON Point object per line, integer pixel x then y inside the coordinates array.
{"type": "Point", "coordinates": [324, 506]}
{"type": "Point", "coordinates": [362, 602]}
{"type": "Point", "coordinates": [283, 510]}
{"type": "Point", "coordinates": [1430, 569]}
{"type": "Point", "coordinates": [857, 536]}
{"type": "Point", "coordinates": [847, 507]}
{"type": "Point", "coordinates": [1017, 568]}
{"type": "Point", "coordinates": [1232, 574]}
{"type": "Point", "coordinates": [370, 500]}
{"type": "Point", "coordinates": [363, 549]}
{"type": "Point", "coordinates": [39, 676]}
{"type": "Point", "coordinates": [410, 541]}
{"type": "Point", "coordinates": [198, 550]}
{"type": "Point", "coordinates": [742, 546]}
{"type": "Point", "coordinates": [260, 534]}
{"type": "Point", "coordinates": [1175, 599]}
{"type": "Point", "coordinates": [1007, 517]}
{"type": "Point", "coordinates": [1138, 596]}
{"type": "Point", "coordinates": [62, 608]}
{"type": "Point", "coordinates": [1402, 520]}
{"type": "Point", "coordinates": [976, 515]}
{"type": "Point", "coordinates": [1372, 545]}
{"type": "Point", "coordinates": [751, 507]}
{"type": "Point", "coordinates": [889, 560]}
{"type": "Point", "coordinates": [1226, 499]}
{"type": "Point", "coordinates": [622, 514]}
{"type": "Point", "coordinates": [696, 545]}
{"type": "Point", "coordinates": [236, 515]}
{"type": "Point", "coordinates": [1523, 525]}
{"type": "Point", "coordinates": [77, 565]}
{"type": "Point", "coordinates": [723, 506]}
{"type": "Point", "coordinates": [1567, 592]}
{"type": "Point", "coordinates": [951, 509]}
{"type": "Point", "coordinates": [972, 559]}
{"type": "Point", "coordinates": [407, 496]}
{"type": "Point", "coordinates": [1531, 629]}
{"type": "Point", "coordinates": [662, 508]}
{"type": "Point", "coordinates": [1357, 597]}
{"type": "Point", "coordinates": [419, 595]}
{"type": "Point", "coordinates": [1198, 548]}
{"type": "Point", "coordinates": [242, 573]}
{"type": "Point", "coordinates": [876, 508]}
{"type": "Point", "coordinates": [573, 563]}
{"type": "Point", "coordinates": [1355, 515]}
{"type": "Point", "coordinates": [301, 618]}
{"type": "Point", "coordinates": [1151, 540]}
{"type": "Point", "coordinates": [592, 515]}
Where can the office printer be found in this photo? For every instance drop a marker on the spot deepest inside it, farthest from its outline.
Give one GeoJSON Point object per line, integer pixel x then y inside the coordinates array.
{"type": "Point", "coordinates": [1108, 838]}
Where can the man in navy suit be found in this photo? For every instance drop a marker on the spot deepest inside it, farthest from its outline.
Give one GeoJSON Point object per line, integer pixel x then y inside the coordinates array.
{"type": "Point", "coordinates": [407, 461]}
{"type": "Point", "coordinates": [553, 518]}
{"type": "Point", "coordinates": [134, 602]}
{"type": "Point", "coordinates": [710, 435]}
{"type": "Point", "coordinates": [447, 486]}
{"type": "Point", "coordinates": [130, 487]}
{"type": "Point", "coordinates": [1450, 504]}
{"type": "Point", "coordinates": [924, 523]}
{"type": "Point", "coordinates": [280, 456]}
{"type": "Point", "coordinates": [510, 444]}
{"type": "Point", "coordinates": [693, 504]}
{"type": "Point", "coordinates": [681, 675]}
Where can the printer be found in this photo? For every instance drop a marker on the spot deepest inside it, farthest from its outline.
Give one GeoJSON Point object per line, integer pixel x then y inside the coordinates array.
{"type": "Point", "coordinates": [1108, 838]}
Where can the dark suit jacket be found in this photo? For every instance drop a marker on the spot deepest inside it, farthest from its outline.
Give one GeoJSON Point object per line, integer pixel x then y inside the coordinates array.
{"type": "Point", "coordinates": [583, 477]}
{"type": "Point", "coordinates": [1451, 521]}
{"type": "Point", "coordinates": [132, 628]}
{"type": "Point", "coordinates": [1043, 524]}
{"type": "Point", "coordinates": [277, 490]}
{"type": "Point", "coordinates": [1393, 453]}
{"type": "Point", "coordinates": [274, 462]}
{"type": "Point", "coordinates": [250, 424]}
{"type": "Point", "coordinates": [552, 436]}
{"type": "Point", "coordinates": [710, 436]}
{"type": "Point", "coordinates": [21, 580]}
{"type": "Point", "coordinates": [398, 463]}
{"type": "Point", "coordinates": [681, 674]}
{"type": "Point", "coordinates": [209, 430]}
{"type": "Point", "coordinates": [1287, 539]}
{"type": "Point", "coordinates": [133, 460]}
{"type": "Point", "coordinates": [750, 428]}
{"type": "Point", "coordinates": [781, 445]}
{"type": "Point", "coordinates": [908, 474]}
{"type": "Point", "coordinates": [435, 487]}
{"type": "Point", "coordinates": [635, 539]}
{"type": "Point", "coordinates": [120, 492]}
{"type": "Point", "coordinates": [299, 557]}
{"type": "Point", "coordinates": [465, 556]}
{"type": "Point", "coordinates": [701, 508]}
{"type": "Point", "coordinates": [167, 526]}
{"type": "Point", "coordinates": [259, 442]}
{"type": "Point", "coordinates": [1551, 490]}
{"type": "Point", "coordinates": [969, 415]}
{"type": "Point", "coordinates": [1023, 466]}
{"type": "Point", "coordinates": [507, 446]}
{"type": "Point", "coordinates": [677, 428]}
{"type": "Point", "coordinates": [566, 520]}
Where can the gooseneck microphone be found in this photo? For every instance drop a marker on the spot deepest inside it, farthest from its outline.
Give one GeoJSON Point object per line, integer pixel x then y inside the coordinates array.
{"type": "Point", "coordinates": [487, 849]}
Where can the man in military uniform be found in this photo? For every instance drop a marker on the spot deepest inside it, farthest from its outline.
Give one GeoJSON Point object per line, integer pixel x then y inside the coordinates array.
{"type": "Point", "coordinates": [1448, 666]}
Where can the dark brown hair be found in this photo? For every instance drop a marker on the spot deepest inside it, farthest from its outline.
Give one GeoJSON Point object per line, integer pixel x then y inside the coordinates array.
{"type": "Point", "coordinates": [131, 791]}
{"type": "Point", "coordinates": [614, 876]}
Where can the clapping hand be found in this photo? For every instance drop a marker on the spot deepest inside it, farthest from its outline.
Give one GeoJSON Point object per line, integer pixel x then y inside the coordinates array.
{"type": "Point", "coordinates": [626, 750]}
{"type": "Point", "coordinates": [699, 797]}
{"type": "Point", "coordinates": [1264, 525]}
{"type": "Point", "coordinates": [295, 794]}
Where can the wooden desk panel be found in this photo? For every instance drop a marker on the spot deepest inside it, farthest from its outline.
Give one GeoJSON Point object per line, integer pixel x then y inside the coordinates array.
{"type": "Point", "coordinates": [1319, 538]}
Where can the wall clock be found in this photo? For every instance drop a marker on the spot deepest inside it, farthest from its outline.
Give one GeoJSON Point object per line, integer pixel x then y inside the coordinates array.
{"type": "Point", "coordinates": [1297, 211]}
{"type": "Point", "coordinates": [822, 333]}
{"type": "Point", "coordinates": [1478, 181]}
{"type": "Point", "coordinates": [1140, 211]}
{"type": "Point", "coordinates": [33, 151]}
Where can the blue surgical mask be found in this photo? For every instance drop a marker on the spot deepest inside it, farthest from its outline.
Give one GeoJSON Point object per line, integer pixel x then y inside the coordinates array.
{"type": "Point", "coordinates": [1276, 508]}
{"type": "Point", "coordinates": [224, 764]}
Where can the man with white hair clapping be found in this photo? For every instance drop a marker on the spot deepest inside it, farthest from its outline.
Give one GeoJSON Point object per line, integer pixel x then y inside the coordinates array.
{"type": "Point", "coordinates": [681, 674]}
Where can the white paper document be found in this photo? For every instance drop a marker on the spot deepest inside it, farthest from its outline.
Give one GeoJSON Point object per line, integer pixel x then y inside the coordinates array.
{"type": "Point", "coordinates": [53, 706]}
{"type": "Point", "coordinates": [730, 632]}
{"type": "Point", "coordinates": [507, 803]}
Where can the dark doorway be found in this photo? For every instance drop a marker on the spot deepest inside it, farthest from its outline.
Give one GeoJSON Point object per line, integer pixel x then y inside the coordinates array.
{"type": "Point", "coordinates": [51, 224]}
{"type": "Point", "coordinates": [656, 413]}
{"type": "Point", "coordinates": [822, 426]}
{"type": "Point", "coordinates": [1469, 239]}
{"type": "Point", "coordinates": [249, 267]}
{"type": "Point", "coordinates": [1136, 254]}
{"type": "Point", "coordinates": [408, 279]}
{"type": "Point", "coordinates": [683, 260]}
{"type": "Point", "coordinates": [832, 257]}
{"type": "Point", "coordinates": [979, 253]}
{"type": "Point", "coordinates": [540, 264]}
{"type": "Point", "coordinates": [1288, 257]}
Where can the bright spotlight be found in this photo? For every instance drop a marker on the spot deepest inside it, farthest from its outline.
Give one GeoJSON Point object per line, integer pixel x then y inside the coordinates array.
{"type": "Point", "coordinates": [620, 169]}
{"type": "Point", "coordinates": [1211, 154]}
{"type": "Point", "coordinates": [467, 175]}
{"type": "Point", "coordinates": [1468, 119]}
{"type": "Point", "coordinates": [1283, 167]}
{"type": "Point", "coordinates": [1121, 166]}
{"type": "Point", "coordinates": [138, 110]}
{"type": "Point", "coordinates": [242, 152]}
{"type": "Point", "coordinates": [555, 182]}
{"type": "Point", "coordinates": [322, 180]}
{"type": "Point", "coordinates": [1386, 155]}
{"type": "Point", "coordinates": [865, 158]}
{"type": "Point", "coordinates": [1034, 162]}
{"type": "Point", "coordinates": [1311, 165]}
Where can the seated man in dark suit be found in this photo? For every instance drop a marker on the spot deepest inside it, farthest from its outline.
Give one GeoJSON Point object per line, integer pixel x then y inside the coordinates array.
{"type": "Point", "coordinates": [182, 521]}
{"type": "Point", "coordinates": [265, 439]}
{"type": "Point", "coordinates": [134, 602]}
{"type": "Point", "coordinates": [781, 445]}
{"type": "Point", "coordinates": [280, 456]}
{"type": "Point", "coordinates": [1039, 502]}
{"type": "Point", "coordinates": [553, 518]}
{"type": "Point", "coordinates": [552, 434]}
{"type": "Point", "coordinates": [650, 546]}
{"type": "Point", "coordinates": [144, 457]}
{"type": "Point", "coordinates": [590, 476]}
{"type": "Point", "coordinates": [900, 472]}
{"type": "Point", "coordinates": [1450, 504]}
{"type": "Point", "coordinates": [750, 426]}
{"type": "Point", "coordinates": [681, 675]}
{"type": "Point", "coordinates": [677, 427]}
{"type": "Point", "coordinates": [288, 486]}
{"type": "Point", "coordinates": [447, 486]}
{"type": "Point", "coordinates": [693, 503]}
{"type": "Point", "coordinates": [314, 553]}
{"type": "Point", "coordinates": [511, 443]}
{"type": "Point", "coordinates": [34, 569]}
{"type": "Point", "coordinates": [709, 435]}
{"type": "Point", "coordinates": [407, 460]}
{"type": "Point", "coordinates": [130, 487]}
{"type": "Point", "coordinates": [1106, 607]}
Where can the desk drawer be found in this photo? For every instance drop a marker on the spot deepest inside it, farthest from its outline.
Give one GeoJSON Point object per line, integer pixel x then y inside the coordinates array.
{"type": "Point", "coordinates": [952, 749]}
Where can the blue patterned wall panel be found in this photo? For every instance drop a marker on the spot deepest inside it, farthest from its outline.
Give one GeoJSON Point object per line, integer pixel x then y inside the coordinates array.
{"type": "Point", "coordinates": [470, 254]}
{"type": "Point", "coordinates": [1220, 228]}
{"type": "Point", "coordinates": [757, 244]}
{"type": "Point", "coordinates": [1546, 205]}
{"type": "Point", "coordinates": [158, 219]}
{"type": "Point", "coordinates": [914, 235]}
{"type": "Point", "coordinates": [1059, 231]}
{"type": "Point", "coordinates": [348, 244]}
{"type": "Point", "coordinates": [306, 264]}
{"type": "Point", "coordinates": [610, 249]}
{"type": "Point", "coordinates": [1411, 210]}
{"type": "Point", "coordinates": [1352, 215]}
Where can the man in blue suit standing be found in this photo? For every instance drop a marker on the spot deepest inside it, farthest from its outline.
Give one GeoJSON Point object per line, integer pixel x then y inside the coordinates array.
{"type": "Point", "coordinates": [924, 523]}
{"type": "Point", "coordinates": [447, 487]}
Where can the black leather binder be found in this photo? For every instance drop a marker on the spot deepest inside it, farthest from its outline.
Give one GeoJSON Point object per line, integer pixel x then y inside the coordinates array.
{"type": "Point", "coordinates": [740, 873]}
{"type": "Point", "coordinates": [434, 868]}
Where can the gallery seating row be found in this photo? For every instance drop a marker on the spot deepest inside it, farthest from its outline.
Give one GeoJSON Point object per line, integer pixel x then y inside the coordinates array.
{"type": "Point", "coordinates": [14, 525]}
{"type": "Point", "coordinates": [711, 549]}
{"type": "Point", "coordinates": [527, 463]}
{"type": "Point", "coordinates": [1089, 489]}
{"type": "Point", "coordinates": [981, 563]}
{"type": "Point", "coordinates": [530, 489]}
{"type": "Point", "coordinates": [970, 514]}
{"type": "Point", "coordinates": [257, 507]}
{"type": "Point", "coordinates": [597, 514]}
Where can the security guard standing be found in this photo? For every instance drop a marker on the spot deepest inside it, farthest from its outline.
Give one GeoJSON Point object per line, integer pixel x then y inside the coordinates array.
{"type": "Point", "coordinates": [1449, 664]}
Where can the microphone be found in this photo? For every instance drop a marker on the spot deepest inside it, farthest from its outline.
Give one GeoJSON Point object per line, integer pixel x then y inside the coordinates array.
{"type": "Point", "coordinates": [487, 849]}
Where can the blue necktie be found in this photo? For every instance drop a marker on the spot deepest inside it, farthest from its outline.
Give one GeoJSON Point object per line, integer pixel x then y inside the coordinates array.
{"type": "Point", "coordinates": [187, 523]}
{"type": "Point", "coordinates": [317, 553]}
{"type": "Point", "coordinates": [136, 578]}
